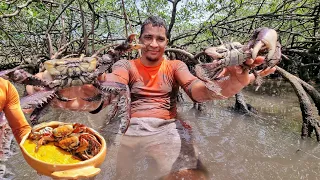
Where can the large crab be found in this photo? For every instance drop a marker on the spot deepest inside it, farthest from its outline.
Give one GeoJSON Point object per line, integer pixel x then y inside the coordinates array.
{"type": "Point", "coordinates": [78, 71]}
{"type": "Point", "coordinates": [263, 42]}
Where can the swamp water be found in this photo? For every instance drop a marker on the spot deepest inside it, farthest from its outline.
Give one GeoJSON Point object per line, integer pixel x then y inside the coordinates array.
{"type": "Point", "coordinates": [231, 146]}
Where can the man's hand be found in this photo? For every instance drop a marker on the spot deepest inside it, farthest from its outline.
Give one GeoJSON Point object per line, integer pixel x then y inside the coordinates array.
{"type": "Point", "coordinates": [241, 75]}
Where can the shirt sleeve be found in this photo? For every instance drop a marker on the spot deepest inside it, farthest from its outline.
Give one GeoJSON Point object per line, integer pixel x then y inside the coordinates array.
{"type": "Point", "coordinates": [195, 88]}
{"type": "Point", "coordinates": [121, 70]}
{"type": "Point", "coordinates": [184, 77]}
{"type": "Point", "coordinates": [14, 114]}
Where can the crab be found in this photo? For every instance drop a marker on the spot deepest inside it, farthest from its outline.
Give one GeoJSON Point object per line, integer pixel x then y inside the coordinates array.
{"type": "Point", "coordinates": [263, 42]}
{"type": "Point", "coordinates": [82, 145]}
{"type": "Point", "coordinates": [69, 72]}
{"type": "Point", "coordinates": [71, 137]}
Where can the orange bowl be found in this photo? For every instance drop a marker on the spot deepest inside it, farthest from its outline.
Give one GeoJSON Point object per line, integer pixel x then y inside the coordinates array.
{"type": "Point", "coordinates": [84, 169]}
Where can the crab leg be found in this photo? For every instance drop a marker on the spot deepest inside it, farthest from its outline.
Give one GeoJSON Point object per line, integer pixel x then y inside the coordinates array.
{"type": "Point", "coordinates": [123, 103]}
{"type": "Point", "coordinates": [124, 110]}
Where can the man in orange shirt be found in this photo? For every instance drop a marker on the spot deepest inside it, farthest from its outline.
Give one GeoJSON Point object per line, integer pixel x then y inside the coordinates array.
{"type": "Point", "coordinates": [154, 82]}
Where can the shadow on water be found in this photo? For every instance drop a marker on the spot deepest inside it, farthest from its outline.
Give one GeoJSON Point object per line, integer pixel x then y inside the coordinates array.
{"type": "Point", "coordinates": [231, 146]}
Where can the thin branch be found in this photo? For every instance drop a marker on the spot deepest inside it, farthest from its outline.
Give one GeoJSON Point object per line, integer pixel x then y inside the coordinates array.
{"type": "Point", "coordinates": [19, 8]}
{"type": "Point", "coordinates": [14, 44]}
{"type": "Point", "coordinates": [49, 29]}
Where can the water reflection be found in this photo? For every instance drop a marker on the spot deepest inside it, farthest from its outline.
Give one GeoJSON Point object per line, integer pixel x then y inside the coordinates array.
{"type": "Point", "coordinates": [231, 146]}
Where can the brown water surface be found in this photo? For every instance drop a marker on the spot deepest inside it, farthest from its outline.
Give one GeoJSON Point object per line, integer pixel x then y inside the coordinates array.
{"type": "Point", "coordinates": [231, 145]}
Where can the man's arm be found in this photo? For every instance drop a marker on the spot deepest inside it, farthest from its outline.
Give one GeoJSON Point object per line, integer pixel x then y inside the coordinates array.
{"type": "Point", "coordinates": [16, 119]}
{"type": "Point", "coordinates": [194, 87]}
{"type": "Point", "coordinates": [120, 73]}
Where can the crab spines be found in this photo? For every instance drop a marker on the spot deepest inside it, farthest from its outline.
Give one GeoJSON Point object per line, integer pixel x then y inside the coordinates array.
{"type": "Point", "coordinates": [37, 100]}
{"type": "Point", "coordinates": [37, 113]}
{"type": "Point", "coordinates": [110, 87]}
{"type": "Point", "coordinates": [97, 97]}
{"type": "Point", "coordinates": [118, 97]}
{"type": "Point", "coordinates": [124, 106]}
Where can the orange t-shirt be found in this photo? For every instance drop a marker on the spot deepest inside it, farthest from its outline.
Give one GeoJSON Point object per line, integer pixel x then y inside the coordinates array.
{"type": "Point", "coordinates": [10, 104]}
{"type": "Point", "coordinates": [154, 89]}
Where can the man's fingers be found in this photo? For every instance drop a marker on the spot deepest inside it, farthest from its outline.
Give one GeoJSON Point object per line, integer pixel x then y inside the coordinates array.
{"type": "Point", "coordinates": [251, 77]}
{"type": "Point", "coordinates": [249, 61]}
{"type": "Point", "coordinates": [239, 69]}
{"type": "Point", "coordinates": [267, 71]}
{"type": "Point", "coordinates": [255, 62]}
{"type": "Point", "coordinates": [223, 73]}
{"type": "Point", "coordinates": [259, 60]}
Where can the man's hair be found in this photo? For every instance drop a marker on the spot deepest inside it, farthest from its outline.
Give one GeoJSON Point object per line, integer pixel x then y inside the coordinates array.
{"type": "Point", "coordinates": [155, 21]}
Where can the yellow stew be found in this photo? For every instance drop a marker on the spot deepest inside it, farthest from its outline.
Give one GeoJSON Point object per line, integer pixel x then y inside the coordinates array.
{"type": "Point", "coordinates": [49, 153]}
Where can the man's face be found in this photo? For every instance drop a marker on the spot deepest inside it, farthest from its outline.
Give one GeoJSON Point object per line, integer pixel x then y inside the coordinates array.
{"type": "Point", "coordinates": [155, 41]}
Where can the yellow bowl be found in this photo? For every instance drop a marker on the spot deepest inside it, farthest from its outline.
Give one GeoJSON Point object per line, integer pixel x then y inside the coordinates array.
{"type": "Point", "coordinates": [84, 169]}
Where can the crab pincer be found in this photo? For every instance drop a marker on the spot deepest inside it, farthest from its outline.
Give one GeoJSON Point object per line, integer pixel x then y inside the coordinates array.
{"type": "Point", "coordinates": [266, 40]}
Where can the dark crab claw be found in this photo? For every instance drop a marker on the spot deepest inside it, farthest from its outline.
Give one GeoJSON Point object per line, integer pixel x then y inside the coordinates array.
{"type": "Point", "coordinates": [264, 39]}
{"type": "Point", "coordinates": [131, 38]}
{"type": "Point", "coordinates": [137, 46]}
{"type": "Point", "coordinates": [133, 46]}
{"type": "Point", "coordinates": [128, 45]}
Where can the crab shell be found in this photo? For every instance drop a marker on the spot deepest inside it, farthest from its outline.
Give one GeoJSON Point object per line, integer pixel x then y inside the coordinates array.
{"type": "Point", "coordinates": [84, 169]}
{"type": "Point", "coordinates": [70, 66]}
{"type": "Point", "coordinates": [63, 130]}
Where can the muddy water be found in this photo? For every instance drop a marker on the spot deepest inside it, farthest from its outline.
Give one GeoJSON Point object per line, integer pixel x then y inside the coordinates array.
{"type": "Point", "coordinates": [232, 146]}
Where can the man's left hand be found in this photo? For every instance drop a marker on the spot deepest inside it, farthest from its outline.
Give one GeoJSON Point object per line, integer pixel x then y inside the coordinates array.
{"type": "Point", "coordinates": [241, 76]}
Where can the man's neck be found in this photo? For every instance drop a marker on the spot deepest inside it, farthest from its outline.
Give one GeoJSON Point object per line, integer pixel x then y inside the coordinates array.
{"type": "Point", "coordinates": [149, 63]}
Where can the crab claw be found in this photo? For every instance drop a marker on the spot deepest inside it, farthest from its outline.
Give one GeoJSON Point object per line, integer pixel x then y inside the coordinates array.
{"type": "Point", "coordinates": [262, 39]}
{"type": "Point", "coordinates": [131, 38]}
{"type": "Point", "coordinates": [128, 45]}
{"type": "Point", "coordinates": [137, 46]}
{"type": "Point", "coordinates": [133, 46]}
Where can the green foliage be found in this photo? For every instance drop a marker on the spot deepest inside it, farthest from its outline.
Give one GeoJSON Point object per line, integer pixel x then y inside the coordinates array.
{"type": "Point", "coordinates": [198, 23]}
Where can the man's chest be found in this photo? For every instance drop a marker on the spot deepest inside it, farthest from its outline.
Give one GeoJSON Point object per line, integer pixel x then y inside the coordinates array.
{"type": "Point", "coordinates": [157, 84]}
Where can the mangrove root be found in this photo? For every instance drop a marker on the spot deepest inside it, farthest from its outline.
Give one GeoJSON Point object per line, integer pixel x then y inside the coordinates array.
{"type": "Point", "coordinates": [310, 123]}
